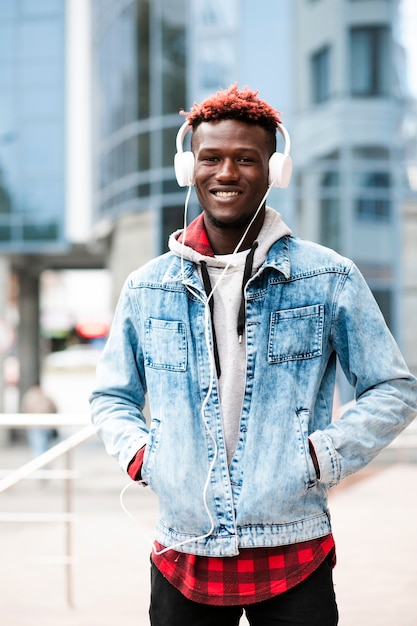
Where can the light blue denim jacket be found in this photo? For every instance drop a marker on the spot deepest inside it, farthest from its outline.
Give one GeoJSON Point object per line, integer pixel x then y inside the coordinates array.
{"type": "Point", "coordinates": [304, 306]}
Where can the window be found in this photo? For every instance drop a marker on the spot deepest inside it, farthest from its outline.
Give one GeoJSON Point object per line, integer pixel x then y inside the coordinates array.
{"type": "Point", "coordinates": [173, 35]}
{"type": "Point", "coordinates": [172, 219]}
{"type": "Point", "coordinates": [373, 202]}
{"type": "Point", "coordinates": [384, 300]}
{"type": "Point", "coordinates": [330, 210]}
{"type": "Point", "coordinates": [5, 197]}
{"type": "Point", "coordinates": [7, 10]}
{"type": "Point", "coordinates": [370, 61]}
{"type": "Point", "coordinates": [45, 231]}
{"type": "Point", "coordinates": [169, 136]}
{"type": "Point", "coordinates": [320, 71]}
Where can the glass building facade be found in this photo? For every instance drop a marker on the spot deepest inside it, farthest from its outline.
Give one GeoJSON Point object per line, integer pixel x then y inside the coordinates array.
{"type": "Point", "coordinates": [32, 125]}
{"type": "Point", "coordinates": [140, 69]}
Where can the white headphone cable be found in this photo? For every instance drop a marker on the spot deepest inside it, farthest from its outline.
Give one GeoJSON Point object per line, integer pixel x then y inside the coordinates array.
{"type": "Point", "coordinates": [241, 240]}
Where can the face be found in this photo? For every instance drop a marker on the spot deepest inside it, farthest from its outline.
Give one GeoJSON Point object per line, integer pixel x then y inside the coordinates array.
{"type": "Point", "coordinates": [231, 171]}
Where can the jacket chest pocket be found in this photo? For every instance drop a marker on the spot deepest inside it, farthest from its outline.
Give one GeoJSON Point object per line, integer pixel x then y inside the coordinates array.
{"type": "Point", "coordinates": [166, 345]}
{"type": "Point", "coordinates": [296, 334]}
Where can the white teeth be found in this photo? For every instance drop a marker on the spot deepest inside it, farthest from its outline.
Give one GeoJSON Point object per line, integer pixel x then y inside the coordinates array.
{"type": "Point", "coordinates": [226, 194]}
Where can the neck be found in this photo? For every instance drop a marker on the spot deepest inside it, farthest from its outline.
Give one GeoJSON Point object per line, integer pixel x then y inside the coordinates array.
{"type": "Point", "coordinates": [225, 239]}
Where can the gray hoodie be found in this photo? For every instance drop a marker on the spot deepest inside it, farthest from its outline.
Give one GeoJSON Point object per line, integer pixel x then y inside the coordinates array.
{"type": "Point", "coordinates": [226, 275]}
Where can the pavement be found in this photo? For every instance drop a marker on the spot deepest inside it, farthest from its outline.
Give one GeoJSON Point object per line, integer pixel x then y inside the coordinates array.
{"type": "Point", "coordinates": [374, 518]}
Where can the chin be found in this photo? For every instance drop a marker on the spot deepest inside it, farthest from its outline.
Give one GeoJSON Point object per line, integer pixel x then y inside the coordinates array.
{"type": "Point", "coordinates": [232, 223]}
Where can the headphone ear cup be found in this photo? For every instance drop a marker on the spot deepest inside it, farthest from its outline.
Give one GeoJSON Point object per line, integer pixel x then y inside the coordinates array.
{"type": "Point", "coordinates": [280, 170]}
{"type": "Point", "coordinates": [184, 168]}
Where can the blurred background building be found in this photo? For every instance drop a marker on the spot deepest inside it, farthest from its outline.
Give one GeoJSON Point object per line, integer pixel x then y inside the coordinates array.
{"type": "Point", "coordinates": [90, 94]}
{"type": "Point", "coordinates": [44, 193]}
{"type": "Point", "coordinates": [351, 97]}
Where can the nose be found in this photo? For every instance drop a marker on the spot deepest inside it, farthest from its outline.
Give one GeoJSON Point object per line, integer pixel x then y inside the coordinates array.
{"type": "Point", "coordinates": [227, 171]}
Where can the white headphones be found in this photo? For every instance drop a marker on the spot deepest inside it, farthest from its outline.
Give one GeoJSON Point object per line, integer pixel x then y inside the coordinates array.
{"type": "Point", "coordinates": [280, 163]}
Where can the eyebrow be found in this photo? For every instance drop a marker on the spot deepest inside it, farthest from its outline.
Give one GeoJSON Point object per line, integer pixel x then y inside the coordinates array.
{"type": "Point", "coordinates": [237, 149]}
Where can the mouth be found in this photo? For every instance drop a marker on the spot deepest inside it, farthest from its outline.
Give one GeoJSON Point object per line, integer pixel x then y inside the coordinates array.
{"type": "Point", "coordinates": [226, 194]}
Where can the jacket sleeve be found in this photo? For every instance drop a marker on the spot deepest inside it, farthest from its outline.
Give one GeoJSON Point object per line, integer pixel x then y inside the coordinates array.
{"type": "Point", "coordinates": [385, 390]}
{"type": "Point", "coordinates": [118, 398]}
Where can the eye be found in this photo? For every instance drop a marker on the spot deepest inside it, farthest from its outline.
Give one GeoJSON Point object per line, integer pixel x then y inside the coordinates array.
{"type": "Point", "coordinates": [208, 158]}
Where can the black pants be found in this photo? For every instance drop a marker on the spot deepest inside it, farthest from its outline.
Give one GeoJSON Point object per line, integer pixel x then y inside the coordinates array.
{"type": "Point", "coordinates": [311, 603]}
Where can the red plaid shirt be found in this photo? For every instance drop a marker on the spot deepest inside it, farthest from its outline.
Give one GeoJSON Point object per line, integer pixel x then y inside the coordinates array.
{"type": "Point", "coordinates": [254, 575]}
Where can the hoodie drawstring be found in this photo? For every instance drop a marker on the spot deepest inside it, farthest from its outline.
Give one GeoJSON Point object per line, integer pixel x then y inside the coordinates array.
{"type": "Point", "coordinates": [207, 289]}
{"type": "Point", "coordinates": [241, 319]}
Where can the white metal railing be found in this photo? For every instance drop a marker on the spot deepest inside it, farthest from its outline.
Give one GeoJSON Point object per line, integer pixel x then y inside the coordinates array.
{"type": "Point", "coordinates": [405, 443]}
{"type": "Point", "coordinates": [33, 469]}
{"type": "Point", "coordinates": [27, 471]}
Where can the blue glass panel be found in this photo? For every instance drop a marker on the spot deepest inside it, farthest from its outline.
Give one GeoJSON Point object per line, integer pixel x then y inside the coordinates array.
{"type": "Point", "coordinates": [7, 119]}
{"type": "Point", "coordinates": [40, 7]}
{"type": "Point", "coordinates": [5, 197]}
{"type": "Point", "coordinates": [42, 196]}
{"type": "Point", "coordinates": [32, 110]}
{"type": "Point", "coordinates": [9, 138]}
{"type": "Point", "coordinates": [41, 148]}
{"type": "Point", "coordinates": [7, 9]}
{"type": "Point", "coordinates": [46, 231]}
{"type": "Point", "coordinates": [5, 233]}
{"type": "Point", "coordinates": [45, 73]}
{"type": "Point", "coordinates": [6, 42]}
{"type": "Point", "coordinates": [40, 39]}
{"type": "Point", "coordinates": [6, 75]}
{"type": "Point", "coordinates": [40, 102]}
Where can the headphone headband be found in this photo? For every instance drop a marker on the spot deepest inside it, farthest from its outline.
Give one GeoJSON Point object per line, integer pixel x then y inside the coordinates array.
{"type": "Point", "coordinates": [185, 128]}
{"type": "Point", "coordinates": [286, 137]}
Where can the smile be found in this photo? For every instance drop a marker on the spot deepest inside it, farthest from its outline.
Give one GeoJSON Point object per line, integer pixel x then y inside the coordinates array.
{"type": "Point", "coordinates": [226, 194]}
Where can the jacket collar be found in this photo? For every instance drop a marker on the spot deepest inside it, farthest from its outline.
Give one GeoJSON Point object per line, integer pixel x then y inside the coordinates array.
{"type": "Point", "coordinates": [278, 258]}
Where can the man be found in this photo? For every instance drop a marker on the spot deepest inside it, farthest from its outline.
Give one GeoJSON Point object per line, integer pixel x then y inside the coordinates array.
{"type": "Point", "coordinates": [234, 335]}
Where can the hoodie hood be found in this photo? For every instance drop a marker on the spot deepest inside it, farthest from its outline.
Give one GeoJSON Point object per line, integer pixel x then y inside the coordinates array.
{"type": "Point", "coordinates": [196, 247]}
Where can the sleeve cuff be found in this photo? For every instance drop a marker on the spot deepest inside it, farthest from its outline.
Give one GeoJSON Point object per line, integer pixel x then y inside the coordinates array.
{"type": "Point", "coordinates": [135, 466]}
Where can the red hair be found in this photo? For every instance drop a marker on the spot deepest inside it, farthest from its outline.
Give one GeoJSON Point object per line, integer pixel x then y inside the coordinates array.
{"type": "Point", "coordinates": [231, 103]}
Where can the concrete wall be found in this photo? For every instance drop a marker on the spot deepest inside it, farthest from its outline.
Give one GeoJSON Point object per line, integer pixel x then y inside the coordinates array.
{"type": "Point", "coordinates": [132, 245]}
